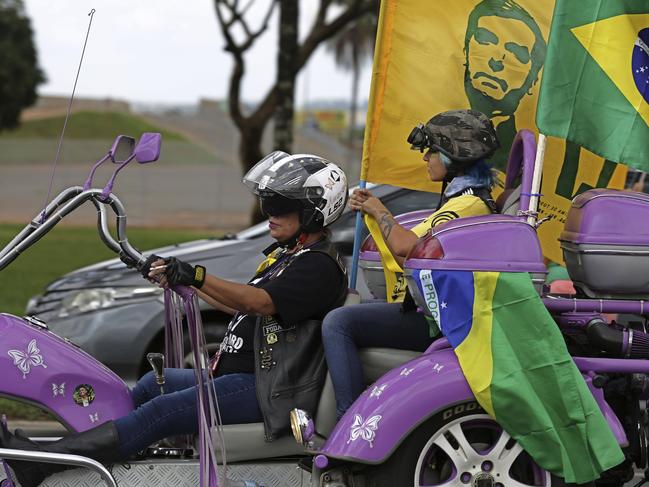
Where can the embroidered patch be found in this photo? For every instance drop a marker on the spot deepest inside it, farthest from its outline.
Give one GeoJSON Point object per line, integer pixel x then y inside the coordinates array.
{"type": "Point", "coordinates": [271, 338]}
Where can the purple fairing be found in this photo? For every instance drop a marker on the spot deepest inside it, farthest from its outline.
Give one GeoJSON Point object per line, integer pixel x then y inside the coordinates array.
{"type": "Point", "coordinates": [521, 163]}
{"type": "Point", "coordinates": [608, 216]}
{"type": "Point", "coordinates": [148, 148]}
{"type": "Point", "coordinates": [500, 243]}
{"type": "Point", "coordinates": [42, 368]}
{"type": "Point", "coordinates": [439, 344]}
{"type": "Point", "coordinates": [369, 250]}
{"type": "Point", "coordinates": [395, 404]}
{"type": "Point", "coordinates": [398, 402]}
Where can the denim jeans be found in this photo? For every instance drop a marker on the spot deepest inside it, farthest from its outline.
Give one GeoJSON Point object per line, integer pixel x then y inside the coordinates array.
{"type": "Point", "coordinates": [345, 330]}
{"type": "Point", "coordinates": [174, 413]}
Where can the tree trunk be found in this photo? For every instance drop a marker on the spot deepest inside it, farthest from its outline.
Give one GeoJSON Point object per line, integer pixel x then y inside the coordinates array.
{"type": "Point", "coordinates": [286, 73]}
{"type": "Point", "coordinates": [250, 152]}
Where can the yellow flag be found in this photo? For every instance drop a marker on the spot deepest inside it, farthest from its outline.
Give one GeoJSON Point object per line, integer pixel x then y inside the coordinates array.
{"type": "Point", "coordinates": [434, 55]}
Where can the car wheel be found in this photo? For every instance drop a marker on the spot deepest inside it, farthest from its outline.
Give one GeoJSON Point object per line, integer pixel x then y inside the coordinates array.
{"type": "Point", "coordinates": [460, 446]}
{"type": "Point", "coordinates": [214, 333]}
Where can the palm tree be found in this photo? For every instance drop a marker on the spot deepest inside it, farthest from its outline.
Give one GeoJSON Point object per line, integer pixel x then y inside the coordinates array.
{"type": "Point", "coordinates": [351, 47]}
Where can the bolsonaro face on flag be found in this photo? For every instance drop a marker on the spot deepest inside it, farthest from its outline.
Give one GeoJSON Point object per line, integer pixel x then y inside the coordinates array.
{"type": "Point", "coordinates": [504, 52]}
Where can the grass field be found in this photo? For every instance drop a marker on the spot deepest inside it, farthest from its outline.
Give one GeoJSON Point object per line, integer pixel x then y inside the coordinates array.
{"type": "Point", "coordinates": [62, 250]}
{"type": "Point", "coordinates": [88, 125]}
{"type": "Point", "coordinates": [89, 135]}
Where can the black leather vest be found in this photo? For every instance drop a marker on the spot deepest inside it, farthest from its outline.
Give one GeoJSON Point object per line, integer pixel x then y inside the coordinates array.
{"type": "Point", "coordinates": [290, 367]}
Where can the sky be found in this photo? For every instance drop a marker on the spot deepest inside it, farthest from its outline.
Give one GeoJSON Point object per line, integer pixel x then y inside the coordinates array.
{"type": "Point", "coordinates": [167, 51]}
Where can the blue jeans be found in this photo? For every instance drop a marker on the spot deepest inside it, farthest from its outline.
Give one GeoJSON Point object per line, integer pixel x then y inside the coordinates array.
{"type": "Point", "coordinates": [345, 330]}
{"type": "Point", "coordinates": [157, 417]}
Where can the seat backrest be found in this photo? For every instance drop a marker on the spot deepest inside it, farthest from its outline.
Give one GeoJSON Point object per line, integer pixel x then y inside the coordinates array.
{"type": "Point", "coordinates": [353, 297]}
{"type": "Point", "coordinates": [518, 178]}
{"type": "Point", "coordinates": [376, 362]}
{"type": "Point", "coordinates": [508, 202]}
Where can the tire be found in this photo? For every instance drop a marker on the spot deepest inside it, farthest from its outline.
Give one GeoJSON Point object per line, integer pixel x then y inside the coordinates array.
{"type": "Point", "coordinates": [459, 446]}
{"type": "Point", "coordinates": [214, 333]}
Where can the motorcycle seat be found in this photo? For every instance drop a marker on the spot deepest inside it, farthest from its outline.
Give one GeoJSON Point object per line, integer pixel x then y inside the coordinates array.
{"type": "Point", "coordinates": [246, 442]}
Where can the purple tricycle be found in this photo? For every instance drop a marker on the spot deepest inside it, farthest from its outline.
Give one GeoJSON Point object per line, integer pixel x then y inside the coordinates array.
{"type": "Point", "coordinates": [418, 423]}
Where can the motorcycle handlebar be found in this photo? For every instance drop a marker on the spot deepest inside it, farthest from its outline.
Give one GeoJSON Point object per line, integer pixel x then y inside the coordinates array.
{"type": "Point", "coordinates": [66, 202]}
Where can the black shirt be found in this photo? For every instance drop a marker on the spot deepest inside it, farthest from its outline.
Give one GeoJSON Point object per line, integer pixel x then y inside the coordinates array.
{"type": "Point", "coordinates": [308, 288]}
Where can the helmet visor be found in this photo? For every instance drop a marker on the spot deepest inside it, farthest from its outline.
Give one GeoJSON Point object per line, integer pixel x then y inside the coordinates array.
{"type": "Point", "coordinates": [253, 178]}
{"type": "Point", "coordinates": [289, 176]}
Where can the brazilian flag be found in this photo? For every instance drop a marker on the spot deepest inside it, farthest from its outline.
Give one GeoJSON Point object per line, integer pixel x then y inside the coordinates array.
{"type": "Point", "coordinates": [595, 85]}
{"type": "Point", "coordinates": [517, 365]}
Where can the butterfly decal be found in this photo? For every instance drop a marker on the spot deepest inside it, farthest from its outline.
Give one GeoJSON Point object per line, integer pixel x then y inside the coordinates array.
{"type": "Point", "coordinates": [378, 390]}
{"type": "Point", "coordinates": [364, 429]}
{"type": "Point", "coordinates": [58, 390]}
{"type": "Point", "coordinates": [94, 417]}
{"type": "Point", "coordinates": [406, 371]}
{"type": "Point", "coordinates": [26, 360]}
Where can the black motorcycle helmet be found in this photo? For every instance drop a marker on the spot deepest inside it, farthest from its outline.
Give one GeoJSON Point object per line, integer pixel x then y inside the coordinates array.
{"type": "Point", "coordinates": [464, 136]}
{"type": "Point", "coordinates": [305, 183]}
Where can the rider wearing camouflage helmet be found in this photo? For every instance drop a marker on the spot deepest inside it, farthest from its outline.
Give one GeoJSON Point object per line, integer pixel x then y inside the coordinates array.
{"type": "Point", "coordinates": [455, 145]}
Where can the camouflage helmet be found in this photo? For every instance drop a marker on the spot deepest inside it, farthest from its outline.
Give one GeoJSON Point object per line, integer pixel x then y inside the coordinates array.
{"type": "Point", "coordinates": [463, 135]}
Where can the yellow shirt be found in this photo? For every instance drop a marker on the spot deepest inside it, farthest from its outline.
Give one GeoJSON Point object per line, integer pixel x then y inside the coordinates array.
{"type": "Point", "coordinates": [458, 207]}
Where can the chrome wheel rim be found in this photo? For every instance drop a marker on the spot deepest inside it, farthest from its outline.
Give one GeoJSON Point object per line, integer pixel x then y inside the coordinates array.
{"type": "Point", "coordinates": [474, 449]}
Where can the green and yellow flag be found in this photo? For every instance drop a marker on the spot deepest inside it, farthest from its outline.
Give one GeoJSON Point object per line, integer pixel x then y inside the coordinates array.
{"type": "Point", "coordinates": [595, 89]}
{"type": "Point", "coordinates": [539, 398]}
{"type": "Point", "coordinates": [433, 55]}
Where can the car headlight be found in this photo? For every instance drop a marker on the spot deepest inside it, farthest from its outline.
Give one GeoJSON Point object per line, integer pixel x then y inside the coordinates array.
{"type": "Point", "coordinates": [100, 298]}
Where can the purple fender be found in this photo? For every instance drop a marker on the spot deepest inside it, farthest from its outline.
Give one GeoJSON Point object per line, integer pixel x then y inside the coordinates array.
{"type": "Point", "coordinates": [41, 368]}
{"type": "Point", "coordinates": [385, 414]}
{"type": "Point", "coordinates": [395, 405]}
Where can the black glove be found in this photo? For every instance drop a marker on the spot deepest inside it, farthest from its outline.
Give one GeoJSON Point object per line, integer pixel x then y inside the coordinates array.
{"type": "Point", "coordinates": [146, 267]}
{"type": "Point", "coordinates": [181, 273]}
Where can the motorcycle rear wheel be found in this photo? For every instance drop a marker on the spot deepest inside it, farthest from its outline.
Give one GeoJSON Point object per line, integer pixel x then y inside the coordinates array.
{"type": "Point", "coordinates": [460, 446]}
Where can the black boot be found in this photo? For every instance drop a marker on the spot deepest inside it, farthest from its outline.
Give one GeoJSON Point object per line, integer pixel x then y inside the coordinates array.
{"type": "Point", "coordinates": [100, 443]}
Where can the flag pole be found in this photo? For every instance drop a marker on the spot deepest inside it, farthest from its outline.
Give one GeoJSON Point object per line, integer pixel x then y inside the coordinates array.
{"type": "Point", "coordinates": [532, 210]}
{"type": "Point", "coordinates": [357, 242]}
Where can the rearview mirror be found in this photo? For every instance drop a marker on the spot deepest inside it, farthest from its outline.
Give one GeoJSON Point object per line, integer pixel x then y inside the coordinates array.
{"type": "Point", "coordinates": [122, 149]}
{"type": "Point", "coordinates": [148, 148]}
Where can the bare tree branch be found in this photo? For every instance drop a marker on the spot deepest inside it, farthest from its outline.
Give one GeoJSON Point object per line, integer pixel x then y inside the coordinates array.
{"type": "Point", "coordinates": [322, 32]}
{"type": "Point", "coordinates": [238, 49]}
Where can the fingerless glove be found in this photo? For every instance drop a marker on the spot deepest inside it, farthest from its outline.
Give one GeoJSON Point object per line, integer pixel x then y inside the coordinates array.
{"type": "Point", "coordinates": [181, 273]}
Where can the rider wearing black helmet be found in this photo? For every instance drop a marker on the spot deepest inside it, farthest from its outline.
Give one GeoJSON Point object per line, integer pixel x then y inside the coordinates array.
{"type": "Point", "coordinates": [455, 145]}
{"type": "Point", "coordinates": [273, 342]}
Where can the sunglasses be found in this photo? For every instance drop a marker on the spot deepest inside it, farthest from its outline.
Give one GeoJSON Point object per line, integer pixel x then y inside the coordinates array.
{"type": "Point", "coordinates": [278, 205]}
